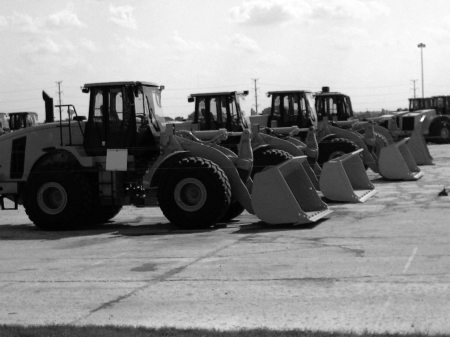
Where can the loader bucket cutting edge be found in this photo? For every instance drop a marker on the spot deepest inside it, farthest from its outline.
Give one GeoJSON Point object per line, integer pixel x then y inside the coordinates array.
{"type": "Point", "coordinates": [284, 194]}
{"type": "Point", "coordinates": [345, 179]}
{"type": "Point", "coordinates": [419, 149]}
{"type": "Point", "coordinates": [397, 163]}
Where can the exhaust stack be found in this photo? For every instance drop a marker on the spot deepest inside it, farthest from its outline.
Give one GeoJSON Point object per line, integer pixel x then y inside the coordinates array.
{"type": "Point", "coordinates": [49, 117]}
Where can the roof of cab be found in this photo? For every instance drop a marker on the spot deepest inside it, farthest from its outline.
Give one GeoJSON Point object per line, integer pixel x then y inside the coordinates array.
{"type": "Point", "coordinates": [223, 93]}
{"type": "Point", "coordinates": [122, 83]}
{"type": "Point", "coordinates": [331, 93]}
{"type": "Point", "coordinates": [289, 92]}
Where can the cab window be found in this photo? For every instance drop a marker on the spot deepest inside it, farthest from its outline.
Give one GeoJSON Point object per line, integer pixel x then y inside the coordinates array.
{"type": "Point", "coordinates": [277, 107]}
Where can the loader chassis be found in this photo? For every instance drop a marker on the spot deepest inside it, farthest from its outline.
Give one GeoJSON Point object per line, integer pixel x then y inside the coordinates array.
{"type": "Point", "coordinates": [297, 107]}
{"type": "Point", "coordinates": [222, 110]}
{"type": "Point", "coordinates": [72, 175]}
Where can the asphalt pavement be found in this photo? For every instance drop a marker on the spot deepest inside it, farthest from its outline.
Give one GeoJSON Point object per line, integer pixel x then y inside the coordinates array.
{"type": "Point", "coordinates": [383, 265]}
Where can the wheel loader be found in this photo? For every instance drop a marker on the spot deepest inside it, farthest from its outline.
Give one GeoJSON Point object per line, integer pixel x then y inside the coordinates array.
{"type": "Point", "coordinates": [337, 108]}
{"type": "Point", "coordinates": [222, 111]}
{"type": "Point", "coordinates": [21, 120]}
{"type": "Point", "coordinates": [428, 117]}
{"type": "Point", "coordinates": [78, 173]}
{"type": "Point", "coordinates": [17, 120]}
{"type": "Point", "coordinates": [297, 107]}
{"type": "Point", "coordinates": [4, 124]}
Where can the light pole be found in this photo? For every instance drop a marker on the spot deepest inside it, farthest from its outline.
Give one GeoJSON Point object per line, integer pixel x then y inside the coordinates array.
{"type": "Point", "coordinates": [421, 46]}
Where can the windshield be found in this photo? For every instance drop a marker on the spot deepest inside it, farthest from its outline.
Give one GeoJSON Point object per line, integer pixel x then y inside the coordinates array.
{"type": "Point", "coordinates": [312, 108]}
{"type": "Point", "coordinates": [152, 105]}
{"type": "Point", "coordinates": [240, 102]}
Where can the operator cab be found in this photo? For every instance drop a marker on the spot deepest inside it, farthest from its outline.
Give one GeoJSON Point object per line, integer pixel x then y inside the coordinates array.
{"type": "Point", "coordinates": [441, 104]}
{"type": "Point", "coordinates": [123, 115]}
{"type": "Point", "coordinates": [420, 103]}
{"type": "Point", "coordinates": [4, 124]}
{"type": "Point", "coordinates": [21, 120]}
{"type": "Point", "coordinates": [291, 108]}
{"type": "Point", "coordinates": [334, 105]}
{"type": "Point", "coordinates": [219, 110]}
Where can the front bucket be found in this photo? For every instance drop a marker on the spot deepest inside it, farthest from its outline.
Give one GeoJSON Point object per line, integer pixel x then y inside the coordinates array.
{"type": "Point", "coordinates": [345, 179]}
{"type": "Point", "coordinates": [419, 149]}
{"type": "Point", "coordinates": [285, 194]}
{"type": "Point", "coordinates": [397, 163]}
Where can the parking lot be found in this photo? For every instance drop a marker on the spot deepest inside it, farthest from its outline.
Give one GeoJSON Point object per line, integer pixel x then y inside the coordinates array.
{"type": "Point", "coordinates": [380, 266]}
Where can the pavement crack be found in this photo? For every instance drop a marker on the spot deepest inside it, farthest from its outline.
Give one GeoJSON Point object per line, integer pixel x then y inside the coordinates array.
{"type": "Point", "coordinates": [158, 279]}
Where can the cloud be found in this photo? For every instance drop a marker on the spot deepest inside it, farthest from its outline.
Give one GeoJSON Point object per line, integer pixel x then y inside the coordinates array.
{"type": "Point", "coordinates": [344, 10]}
{"type": "Point", "coordinates": [184, 45]}
{"type": "Point", "coordinates": [47, 46]}
{"type": "Point", "coordinates": [88, 45]}
{"type": "Point", "coordinates": [273, 59]}
{"type": "Point", "coordinates": [3, 21]}
{"type": "Point", "coordinates": [24, 23]}
{"type": "Point", "coordinates": [123, 16]}
{"type": "Point", "coordinates": [66, 17]}
{"type": "Point", "coordinates": [263, 12]}
{"type": "Point", "coordinates": [242, 43]}
{"type": "Point", "coordinates": [132, 44]}
{"type": "Point", "coordinates": [273, 12]}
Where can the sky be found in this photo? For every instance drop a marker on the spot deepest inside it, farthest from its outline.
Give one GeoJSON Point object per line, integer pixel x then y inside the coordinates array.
{"type": "Point", "coordinates": [364, 48]}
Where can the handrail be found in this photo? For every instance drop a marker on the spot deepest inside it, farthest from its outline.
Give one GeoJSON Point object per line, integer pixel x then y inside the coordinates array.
{"type": "Point", "coordinates": [69, 119]}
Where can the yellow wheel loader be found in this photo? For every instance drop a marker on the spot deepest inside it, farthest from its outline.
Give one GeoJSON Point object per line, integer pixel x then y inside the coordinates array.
{"type": "Point", "coordinates": [4, 124]}
{"type": "Point", "coordinates": [221, 111]}
{"type": "Point", "coordinates": [388, 129]}
{"type": "Point", "coordinates": [297, 107]}
{"type": "Point", "coordinates": [78, 173]}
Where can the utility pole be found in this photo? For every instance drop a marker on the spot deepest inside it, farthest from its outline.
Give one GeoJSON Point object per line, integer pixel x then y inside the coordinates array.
{"type": "Point", "coordinates": [59, 97]}
{"type": "Point", "coordinates": [256, 95]}
{"type": "Point", "coordinates": [414, 87]}
{"type": "Point", "coordinates": [421, 46]}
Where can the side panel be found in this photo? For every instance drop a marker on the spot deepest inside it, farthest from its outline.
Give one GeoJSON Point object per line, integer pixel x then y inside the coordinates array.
{"type": "Point", "coordinates": [18, 157]}
{"type": "Point", "coordinates": [20, 150]}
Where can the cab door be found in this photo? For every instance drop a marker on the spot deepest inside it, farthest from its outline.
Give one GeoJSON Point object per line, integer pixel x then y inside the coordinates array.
{"type": "Point", "coordinates": [110, 125]}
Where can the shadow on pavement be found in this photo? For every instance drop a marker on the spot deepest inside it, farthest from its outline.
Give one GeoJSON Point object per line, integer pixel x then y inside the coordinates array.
{"type": "Point", "coordinates": [31, 232]}
{"type": "Point", "coordinates": [262, 227]}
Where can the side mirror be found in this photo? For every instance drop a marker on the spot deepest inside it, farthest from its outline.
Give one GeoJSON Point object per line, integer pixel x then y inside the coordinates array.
{"type": "Point", "coordinates": [79, 118]}
{"type": "Point", "coordinates": [191, 99]}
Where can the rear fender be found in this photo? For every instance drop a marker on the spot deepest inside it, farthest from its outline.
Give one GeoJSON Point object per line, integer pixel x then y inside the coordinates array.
{"type": "Point", "coordinates": [291, 146]}
{"type": "Point", "coordinates": [69, 156]}
{"type": "Point", "coordinates": [356, 138]}
{"type": "Point", "coordinates": [226, 163]}
{"type": "Point", "coordinates": [160, 168]}
{"type": "Point", "coordinates": [327, 137]}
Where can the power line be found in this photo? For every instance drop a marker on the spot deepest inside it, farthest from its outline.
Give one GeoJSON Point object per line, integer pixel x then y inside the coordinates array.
{"type": "Point", "coordinates": [59, 95]}
{"type": "Point", "coordinates": [256, 95]}
{"type": "Point", "coordinates": [414, 86]}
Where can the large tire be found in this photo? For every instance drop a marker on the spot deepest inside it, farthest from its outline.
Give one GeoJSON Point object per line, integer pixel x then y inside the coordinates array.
{"type": "Point", "coordinates": [235, 209]}
{"type": "Point", "coordinates": [380, 142]}
{"type": "Point", "coordinates": [268, 157]}
{"type": "Point", "coordinates": [333, 148]}
{"type": "Point", "coordinates": [104, 213]}
{"type": "Point", "coordinates": [59, 199]}
{"type": "Point", "coordinates": [195, 194]}
{"type": "Point", "coordinates": [441, 133]}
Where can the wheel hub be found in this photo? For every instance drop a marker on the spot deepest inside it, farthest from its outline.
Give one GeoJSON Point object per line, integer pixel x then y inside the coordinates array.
{"type": "Point", "coordinates": [190, 194]}
{"type": "Point", "coordinates": [445, 133]}
{"type": "Point", "coordinates": [52, 198]}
